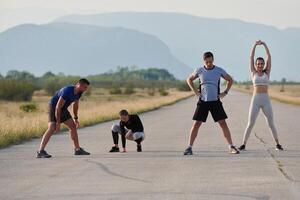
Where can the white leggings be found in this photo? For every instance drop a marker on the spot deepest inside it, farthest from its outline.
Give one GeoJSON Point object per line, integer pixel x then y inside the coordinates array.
{"type": "Point", "coordinates": [260, 100]}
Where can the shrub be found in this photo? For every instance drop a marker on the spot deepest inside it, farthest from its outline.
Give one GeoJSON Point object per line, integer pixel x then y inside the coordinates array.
{"type": "Point", "coordinates": [13, 90]}
{"type": "Point", "coordinates": [129, 89]}
{"type": "Point", "coordinates": [51, 86]}
{"type": "Point", "coordinates": [151, 91]}
{"type": "Point", "coordinates": [183, 86]}
{"type": "Point", "coordinates": [115, 90]}
{"type": "Point", "coordinates": [163, 92]}
{"type": "Point", "coordinates": [30, 107]}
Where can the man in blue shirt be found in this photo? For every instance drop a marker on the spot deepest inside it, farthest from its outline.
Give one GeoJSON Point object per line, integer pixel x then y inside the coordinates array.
{"type": "Point", "coordinates": [58, 113]}
{"type": "Point", "coordinates": [209, 99]}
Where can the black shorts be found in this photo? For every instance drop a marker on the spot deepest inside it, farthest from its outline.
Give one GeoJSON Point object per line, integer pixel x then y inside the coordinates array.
{"type": "Point", "coordinates": [64, 115]}
{"type": "Point", "coordinates": [215, 107]}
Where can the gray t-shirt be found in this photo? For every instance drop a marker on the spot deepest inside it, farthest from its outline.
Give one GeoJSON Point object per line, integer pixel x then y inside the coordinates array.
{"type": "Point", "coordinates": [210, 82]}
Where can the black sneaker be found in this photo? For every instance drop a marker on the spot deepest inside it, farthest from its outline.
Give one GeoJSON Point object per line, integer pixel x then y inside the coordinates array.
{"type": "Point", "coordinates": [188, 151]}
{"type": "Point", "coordinates": [114, 149]}
{"type": "Point", "coordinates": [139, 148]}
{"type": "Point", "coordinates": [81, 151]}
{"type": "Point", "coordinates": [279, 147]}
{"type": "Point", "coordinates": [42, 154]}
{"type": "Point", "coordinates": [233, 150]}
{"type": "Point", "coordinates": [242, 147]}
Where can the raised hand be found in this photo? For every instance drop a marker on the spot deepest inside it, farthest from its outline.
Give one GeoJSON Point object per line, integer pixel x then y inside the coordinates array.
{"type": "Point", "coordinates": [259, 42]}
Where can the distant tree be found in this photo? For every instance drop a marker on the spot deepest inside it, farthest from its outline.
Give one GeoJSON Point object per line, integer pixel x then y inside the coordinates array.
{"type": "Point", "coordinates": [283, 81]}
{"type": "Point", "coordinates": [20, 76]}
{"type": "Point", "coordinates": [48, 75]}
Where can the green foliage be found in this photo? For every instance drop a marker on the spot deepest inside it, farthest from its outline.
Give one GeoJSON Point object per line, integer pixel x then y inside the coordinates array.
{"type": "Point", "coordinates": [21, 76]}
{"type": "Point", "coordinates": [54, 83]}
{"type": "Point", "coordinates": [29, 107]}
{"type": "Point", "coordinates": [162, 91]}
{"type": "Point", "coordinates": [132, 73]}
{"type": "Point", "coordinates": [115, 90]}
{"type": "Point", "coordinates": [129, 89]}
{"type": "Point", "coordinates": [140, 78]}
{"type": "Point", "coordinates": [48, 75]}
{"type": "Point", "coordinates": [183, 86]}
{"type": "Point", "coordinates": [128, 77]}
{"type": "Point", "coordinates": [13, 90]}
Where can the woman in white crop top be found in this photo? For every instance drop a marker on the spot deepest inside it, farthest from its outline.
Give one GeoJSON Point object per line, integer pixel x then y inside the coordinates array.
{"type": "Point", "coordinates": [260, 99]}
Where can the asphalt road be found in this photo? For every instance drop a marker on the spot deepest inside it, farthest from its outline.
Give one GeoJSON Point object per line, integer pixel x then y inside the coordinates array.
{"type": "Point", "coordinates": [161, 171]}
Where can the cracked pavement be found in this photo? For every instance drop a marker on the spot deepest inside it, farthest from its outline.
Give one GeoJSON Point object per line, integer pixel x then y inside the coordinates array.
{"type": "Point", "coordinates": [161, 171]}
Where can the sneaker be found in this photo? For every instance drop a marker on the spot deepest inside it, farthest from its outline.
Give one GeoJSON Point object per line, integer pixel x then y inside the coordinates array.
{"type": "Point", "coordinates": [279, 147]}
{"type": "Point", "coordinates": [242, 147]}
{"type": "Point", "coordinates": [188, 151]}
{"type": "Point", "coordinates": [42, 154]}
{"type": "Point", "coordinates": [233, 150]}
{"type": "Point", "coordinates": [139, 148]}
{"type": "Point", "coordinates": [81, 151]}
{"type": "Point", "coordinates": [114, 149]}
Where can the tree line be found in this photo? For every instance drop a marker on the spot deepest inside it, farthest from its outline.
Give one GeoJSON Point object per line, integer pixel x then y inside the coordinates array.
{"type": "Point", "coordinates": [20, 85]}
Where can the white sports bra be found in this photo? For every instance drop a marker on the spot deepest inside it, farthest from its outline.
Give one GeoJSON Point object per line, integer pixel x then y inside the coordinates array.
{"type": "Point", "coordinates": [260, 80]}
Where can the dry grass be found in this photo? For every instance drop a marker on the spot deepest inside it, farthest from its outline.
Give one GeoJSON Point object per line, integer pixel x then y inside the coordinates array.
{"type": "Point", "coordinates": [290, 95]}
{"type": "Point", "coordinates": [17, 126]}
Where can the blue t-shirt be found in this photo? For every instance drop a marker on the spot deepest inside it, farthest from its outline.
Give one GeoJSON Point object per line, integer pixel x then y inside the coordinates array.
{"type": "Point", "coordinates": [67, 93]}
{"type": "Point", "coordinates": [210, 82]}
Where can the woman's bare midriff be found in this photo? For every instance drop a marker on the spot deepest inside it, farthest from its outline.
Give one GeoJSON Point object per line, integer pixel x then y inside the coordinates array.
{"type": "Point", "coordinates": [260, 89]}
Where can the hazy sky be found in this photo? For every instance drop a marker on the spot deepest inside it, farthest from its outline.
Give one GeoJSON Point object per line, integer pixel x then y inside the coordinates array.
{"type": "Point", "coordinates": [278, 13]}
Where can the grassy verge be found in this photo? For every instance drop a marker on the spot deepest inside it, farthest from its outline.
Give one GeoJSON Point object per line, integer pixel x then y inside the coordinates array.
{"type": "Point", "coordinates": [290, 95]}
{"type": "Point", "coordinates": [17, 126]}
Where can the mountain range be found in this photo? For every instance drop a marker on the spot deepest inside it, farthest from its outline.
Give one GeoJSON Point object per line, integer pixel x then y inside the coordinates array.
{"type": "Point", "coordinates": [92, 44]}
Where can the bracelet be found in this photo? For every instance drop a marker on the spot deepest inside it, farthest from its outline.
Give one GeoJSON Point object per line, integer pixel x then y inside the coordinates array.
{"type": "Point", "coordinates": [226, 92]}
{"type": "Point", "coordinates": [76, 117]}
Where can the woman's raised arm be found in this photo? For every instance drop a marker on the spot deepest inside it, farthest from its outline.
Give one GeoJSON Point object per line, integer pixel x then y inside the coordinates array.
{"type": "Point", "coordinates": [252, 54]}
{"type": "Point", "coordinates": [268, 61]}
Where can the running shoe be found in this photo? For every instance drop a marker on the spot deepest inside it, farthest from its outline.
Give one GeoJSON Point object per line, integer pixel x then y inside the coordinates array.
{"type": "Point", "coordinates": [139, 148]}
{"type": "Point", "coordinates": [81, 151]}
{"type": "Point", "coordinates": [42, 154]}
{"type": "Point", "coordinates": [279, 147]}
{"type": "Point", "coordinates": [188, 151]}
{"type": "Point", "coordinates": [233, 150]}
{"type": "Point", "coordinates": [114, 149]}
{"type": "Point", "coordinates": [242, 147]}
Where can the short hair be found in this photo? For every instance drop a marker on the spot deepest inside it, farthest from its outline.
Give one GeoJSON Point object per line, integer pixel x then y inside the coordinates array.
{"type": "Point", "coordinates": [260, 58]}
{"type": "Point", "coordinates": [208, 55]}
{"type": "Point", "coordinates": [84, 81]}
{"type": "Point", "coordinates": [123, 113]}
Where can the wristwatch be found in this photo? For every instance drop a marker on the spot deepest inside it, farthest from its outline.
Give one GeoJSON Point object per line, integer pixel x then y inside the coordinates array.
{"type": "Point", "coordinates": [75, 117]}
{"type": "Point", "coordinates": [226, 92]}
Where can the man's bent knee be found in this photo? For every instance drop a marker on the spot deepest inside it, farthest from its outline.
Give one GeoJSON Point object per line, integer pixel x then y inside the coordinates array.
{"type": "Point", "coordinates": [115, 128]}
